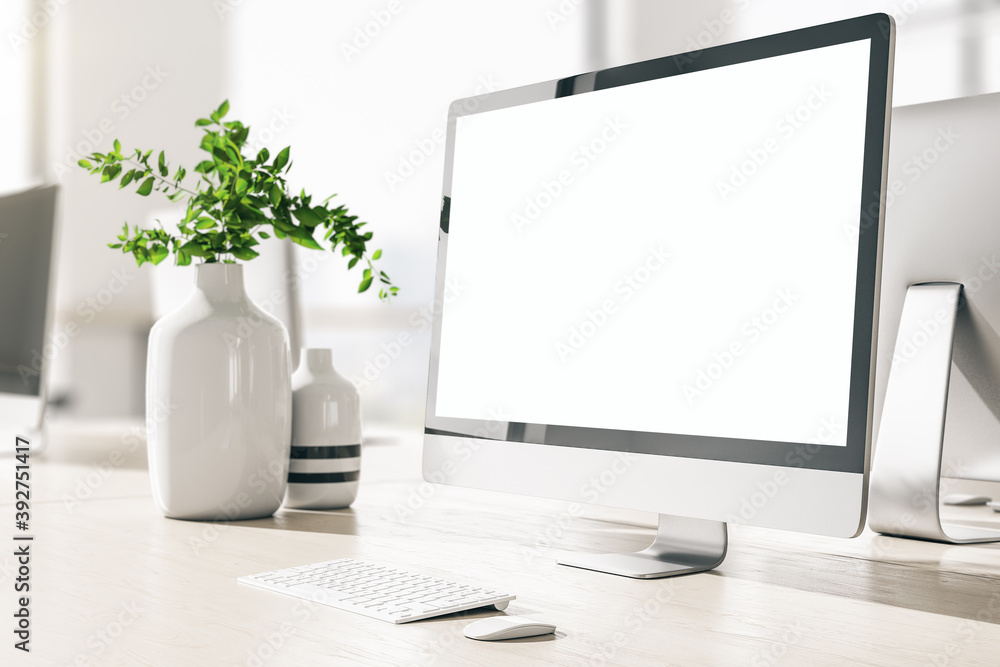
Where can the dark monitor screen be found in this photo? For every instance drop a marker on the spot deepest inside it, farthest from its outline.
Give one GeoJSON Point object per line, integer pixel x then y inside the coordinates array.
{"type": "Point", "coordinates": [26, 236]}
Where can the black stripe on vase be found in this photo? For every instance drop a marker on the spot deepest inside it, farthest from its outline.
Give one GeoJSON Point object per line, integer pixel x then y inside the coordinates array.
{"type": "Point", "coordinates": [323, 477]}
{"type": "Point", "coordinates": [331, 452]}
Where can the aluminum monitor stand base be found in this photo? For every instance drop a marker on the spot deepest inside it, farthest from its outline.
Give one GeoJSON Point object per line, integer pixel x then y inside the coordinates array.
{"type": "Point", "coordinates": [906, 471]}
{"type": "Point", "coordinates": [682, 546]}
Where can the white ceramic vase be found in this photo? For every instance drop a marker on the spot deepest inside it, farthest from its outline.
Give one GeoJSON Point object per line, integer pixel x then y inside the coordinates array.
{"type": "Point", "coordinates": [218, 403]}
{"type": "Point", "coordinates": [326, 436]}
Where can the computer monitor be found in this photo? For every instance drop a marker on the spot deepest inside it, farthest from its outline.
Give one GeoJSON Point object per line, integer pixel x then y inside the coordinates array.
{"type": "Point", "coordinates": [942, 226]}
{"type": "Point", "coordinates": [652, 297]}
{"type": "Point", "coordinates": [27, 243]}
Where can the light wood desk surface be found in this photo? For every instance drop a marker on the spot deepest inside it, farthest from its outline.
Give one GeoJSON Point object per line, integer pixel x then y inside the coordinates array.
{"type": "Point", "coordinates": [115, 583]}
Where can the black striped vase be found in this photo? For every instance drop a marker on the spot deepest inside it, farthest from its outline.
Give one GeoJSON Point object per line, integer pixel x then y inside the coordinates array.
{"type": "Point", "coordinates": [326, 436]}
{"type": "Point", "coordinates": [323, 477]}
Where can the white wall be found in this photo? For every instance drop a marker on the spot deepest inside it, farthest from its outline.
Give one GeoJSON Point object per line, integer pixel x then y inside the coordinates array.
{"type": "Point", "coordinates": [944, 48]}
{"type": "Point", "coordinates": [357, 107]}
{"type": "Point", "coordinates": [139, 72]}
{"type": "Point", "coordinates": [16, 61]}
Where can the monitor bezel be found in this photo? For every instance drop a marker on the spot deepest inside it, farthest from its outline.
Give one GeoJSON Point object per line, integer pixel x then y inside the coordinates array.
{"type": "Point", "coordinates": [851, 458]}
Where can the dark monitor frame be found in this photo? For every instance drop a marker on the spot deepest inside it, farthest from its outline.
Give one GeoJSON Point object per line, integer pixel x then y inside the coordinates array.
{"type": "Point", "coordinates": [878, 28]}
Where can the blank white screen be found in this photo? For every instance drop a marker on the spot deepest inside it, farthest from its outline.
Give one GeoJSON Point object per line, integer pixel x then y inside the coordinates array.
{"type": "Point", "coordinates": [671, 256]}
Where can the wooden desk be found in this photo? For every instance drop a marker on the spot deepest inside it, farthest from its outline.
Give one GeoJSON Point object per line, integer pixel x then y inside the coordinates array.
{"type": "Point", "coordinates": [114, 583]}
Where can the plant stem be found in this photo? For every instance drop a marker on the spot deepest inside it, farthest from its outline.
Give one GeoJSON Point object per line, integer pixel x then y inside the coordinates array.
{"type": "Point", "coordinates": [153, 173]}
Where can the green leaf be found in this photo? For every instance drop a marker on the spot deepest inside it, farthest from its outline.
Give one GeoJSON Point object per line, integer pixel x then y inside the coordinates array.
{"type": "Point", "coordinates": [194, 248]}
{"type": "Point", "coordinates": [127, 178]}
{"type": "Point", "coordinates": [162, 164]}
{"type": "Point", "coordinates": [158, 253]}
{"type": "Point", "coordinates": [111, 172]}
{"type": "Point", "coordinates": [274, 196]}
{"type": "Point", "coordinates": [118, 146]}
{"type": "Point", "coordinates": [282, 159]}
{"type": "Point", "coordinates": [84, 164]}
{"type": "Point", "coordinates": [352, 263]}
{"type": "Point", "coordinates": [201, 122]}
{"type": "Point", "coordinates": [245, 253]}
{"type": "Point", "coordinates": [376, 254]}
{"type": "Point", "coordinates": [302, 237]}
{"type": "Point", "coordinates": [205, 223]}
{"type": "Point", "coordinates": [307, 217]}
{"type": "Point", "coordinates": [250, 213]}
{"type": "Point", "coordinates": [146, 187]}
{"type": "Point", "coordinates": [365, 284]}
{"type": "Point", "coordinates": [223, 109]}
{"type": "Point", "coordinates": [265, 235]}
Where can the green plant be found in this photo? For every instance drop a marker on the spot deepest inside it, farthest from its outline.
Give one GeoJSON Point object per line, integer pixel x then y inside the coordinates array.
{"type": "Point", "coordinates": [236, 202]}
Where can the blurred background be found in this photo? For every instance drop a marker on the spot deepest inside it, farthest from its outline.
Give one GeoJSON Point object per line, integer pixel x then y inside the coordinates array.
{"type": "Point", "coordinates": [360, 90]}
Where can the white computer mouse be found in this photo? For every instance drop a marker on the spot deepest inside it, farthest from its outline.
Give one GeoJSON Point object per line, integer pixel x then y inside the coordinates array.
{"type": "Point", "coordinates": [964, 499]}
{"type": "Point", "coordinates": [506, 627]}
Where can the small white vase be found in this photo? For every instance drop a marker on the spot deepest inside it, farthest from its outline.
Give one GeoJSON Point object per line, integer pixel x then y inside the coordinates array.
{"type": "Point", "coordinates": [218, 403]}
{"type": "Point", "coordinates": [326, 436]}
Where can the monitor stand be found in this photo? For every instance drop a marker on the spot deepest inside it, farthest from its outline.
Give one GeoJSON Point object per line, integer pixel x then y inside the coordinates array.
{"type": "Point", "coordinates": [906, 469]}
{"type": "Point", "coordinates": [682, 546]}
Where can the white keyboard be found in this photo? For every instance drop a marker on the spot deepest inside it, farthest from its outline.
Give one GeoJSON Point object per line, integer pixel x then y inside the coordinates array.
{"type": "Point", "coordinates": [380, 592]}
